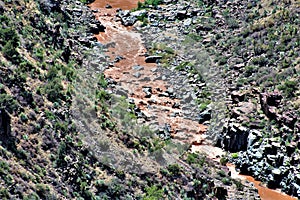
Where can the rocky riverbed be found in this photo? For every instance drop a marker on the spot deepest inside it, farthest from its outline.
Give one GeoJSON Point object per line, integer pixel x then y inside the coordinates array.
{"type": "Point", "coordinates": [163, 98]}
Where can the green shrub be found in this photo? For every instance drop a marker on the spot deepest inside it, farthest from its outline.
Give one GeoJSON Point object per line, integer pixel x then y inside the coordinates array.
{"type": "Point", "coordinates": [203, 102]}
{"type": "Point", "coordinates": [223, 160]}
{"type": "Point", "coordinates": [153, 193]}
{"type": "Point", "coordinates": [192, 158]}
{"type": "Point", "coordinates": [102, 96]}
{"type": "Point", "coordinates": [226, 181]}
{"type": "Point", "coordinates": [149, 3]}
{"type": "Point", "coordinates": [10, 52]}
{"type": "Point", "coordinates": [69, 72]}
{"type": "Point", "coordinates": [54, 90]}
{"type": "Point", "coordinates": [52, 73]}
{"type": "Point", "coordinates": [102, 82]}
{"type": "Point", "coordinates": [234, 155]}
{"type": "Point", "coordinates": [25, 66]}
{"type": "Point", "coordinates": [39, 53]}
{"type": "Point", "coordinates": [232, 23]}
{"type": "Point", "coordinates": [7, 102]}
{"type": "Point", "coordinates": [8, 34]}
{"type": "Point", "coordinates": [222, 173]}
{"type": "Point", "coordinates": [289, 88]}
{"type": "Point", "coordinates": [261, 61]}
{"type": "Point", "coordinates": [238, 184]}
{"type": "Point", "coordinates": [23, 117]}
{"type": "Point", "coordinates": [86, 1]}
{"type": "Point", "coordinates": [174, 169]}
{"type": "Point", "coordinates": [4, 193]}
{"type": "Point", "coordinates": [249, 70]}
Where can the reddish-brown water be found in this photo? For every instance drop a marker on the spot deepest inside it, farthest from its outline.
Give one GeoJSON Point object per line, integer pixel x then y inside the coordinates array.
{"type": "Point", "coordinates": [129, 45]}
{"type": "Point", "coordinates": [264, 193]}
{"type": "Point", "coordinates": [123, 4]}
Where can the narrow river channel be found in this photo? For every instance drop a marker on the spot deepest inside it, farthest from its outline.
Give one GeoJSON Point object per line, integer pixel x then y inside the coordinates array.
{"type": "Point", "coordinates": [128, 44]}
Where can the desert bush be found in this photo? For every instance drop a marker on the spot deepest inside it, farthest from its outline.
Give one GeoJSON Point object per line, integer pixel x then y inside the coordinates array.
{"type": "Point", "coordinates": [148, 3]}
{"type": "Point", "coordinates": [54, 90]}
{"type": "Point", "coordinates": [174, 169]}
{"type": "Point", "coordinates": [153, 193]}
{"type": "Point", "coordinates": [7, 102]}
{"type": "Point", "coordinates": [10, 51]}
{"type": "Point", "coordinates": [289, 88]}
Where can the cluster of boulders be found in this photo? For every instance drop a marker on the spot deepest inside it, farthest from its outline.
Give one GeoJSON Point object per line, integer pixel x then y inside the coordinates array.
{"type": "Point", "coordinates": [272, 155]}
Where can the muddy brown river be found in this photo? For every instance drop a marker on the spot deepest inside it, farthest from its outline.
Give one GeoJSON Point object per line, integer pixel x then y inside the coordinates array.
{"type": "Point", "coordinates": [128, 44]}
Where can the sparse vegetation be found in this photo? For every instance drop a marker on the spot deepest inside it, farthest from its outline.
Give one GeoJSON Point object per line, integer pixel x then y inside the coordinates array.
{"type": "Point", "coordinates": [45, 49]}
{"type": "Point", "coordinates": [148, 3]}
{"type": "Point", "coordinates": [153, 193]}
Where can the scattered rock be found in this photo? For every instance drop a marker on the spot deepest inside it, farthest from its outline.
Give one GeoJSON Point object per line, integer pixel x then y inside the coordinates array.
{"type": "Point", "coordinates": [118, 59]}
{"type": "Point", "coordinates": [204, 116]}
{"type": "Point", "coordinates": [138, 68]}
{"type": "Point", "coordinates": [122, 92]}
{"type": "Point", "coordinates": [152, 59]}
{"type": "Point", "coordinates": [137, 74]}
{"type": "Point", "coordinates": [107, 6]}
{"type": "Point", "coordinates": [147, 91]}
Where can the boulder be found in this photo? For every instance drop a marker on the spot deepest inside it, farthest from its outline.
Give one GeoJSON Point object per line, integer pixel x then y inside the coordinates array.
{"type": "Point", "coordinates": [118, 59]}
{"type": "Point", "coordinates": [147, 91]}
{"type": "Point", "coordinates": [253, 136]}
{"type": "Point", "coordinates": [182, 14]}
{"type": "Point", "coordinates": [137, 74]}
{"type": "Point", "coordinates": [270, 149]}
{"type": "Point", "coordinates": [152, 59]}
{"type": "Point", "coordinates": [238, 96]}
{"type": "Point", "coordinates": [204, 116]}
{"type": "Point", "coordinates": [96, 27]}
{"type": "Point", "coordinates": [122, 92]}
{"type": "Point", "coordinates": [290, 148]}
{"type": "Point", "coordinates": [235, 137]}
{"type": "Point", "coordinates": [129, 19]}
{"type": "Point", "coordinates": [187, 22]}
{"type": "Point", "coordinates": [139, 13]}
{"type": "Point", "coordinates": [138, 67]}
{"type": "Point", "coordinates": [220, 192]}
{"type": "Point", "coordinates": [269, 102]}
{"type": "Point", "coordinates": [243, 109]}
{"type": "Point", "coordinates": [107, 6]}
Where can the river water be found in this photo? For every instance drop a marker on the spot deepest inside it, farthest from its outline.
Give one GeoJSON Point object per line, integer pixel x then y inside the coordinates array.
{"type": "Point", "coordinates": [128, 44]}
